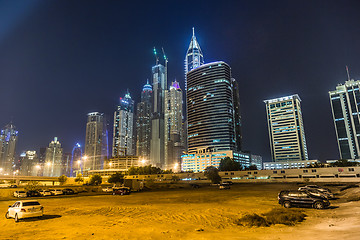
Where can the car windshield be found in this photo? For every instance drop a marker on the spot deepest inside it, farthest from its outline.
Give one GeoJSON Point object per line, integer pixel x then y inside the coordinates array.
{"type": "Point", "coordinates": [30, 204]}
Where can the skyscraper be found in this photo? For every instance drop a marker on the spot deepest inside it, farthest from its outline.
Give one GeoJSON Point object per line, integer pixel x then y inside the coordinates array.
{"type": "Point", "coordinates": [53, 159]}
{"type": "Point", "coordinates": [345, 102]}
{"type": "Point", "coordinates": [157, 148]}
{"type": "Point", "coordinates": [210, 108]}
{"type": "Point", "coordinates": [123, 138]}
{"type": "Point", "coordinates": [76, 164]}
{"type": "Point", "coordinates": [143, 123]}
{"type": "Point", "coordinates": [237, 115]}
{"type": "Point", "coordinates": [29, 163]}
{"type": "Point", "coordinates": [96, 145]}
{"type": "Point", "coordinates": [8, 140]}
{"type": "Point", "coordinates": [174, 143]}
{"type": "Point", "coordinates": [286, 129]}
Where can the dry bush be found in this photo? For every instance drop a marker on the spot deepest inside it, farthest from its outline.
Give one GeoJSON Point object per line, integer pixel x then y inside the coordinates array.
{"type": "Point", "coordinates": [252, 220]}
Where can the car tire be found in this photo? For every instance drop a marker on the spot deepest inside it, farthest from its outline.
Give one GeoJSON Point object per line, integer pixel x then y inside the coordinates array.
{"type": "Point", "coordinates": [7, 216]}
{"type": "Point", "coordinates": [318, 205]}
{"type": "Point", "coordinates": [16, 218]}
{"type": "Point", "coordinates": [287, 204]}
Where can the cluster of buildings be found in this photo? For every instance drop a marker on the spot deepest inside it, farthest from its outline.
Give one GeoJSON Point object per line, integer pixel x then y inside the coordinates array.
{"type": "Point", "coordinates": [167, 132]}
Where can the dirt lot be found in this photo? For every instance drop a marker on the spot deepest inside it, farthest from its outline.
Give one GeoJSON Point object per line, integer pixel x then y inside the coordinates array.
{"type": "Point", "coordinates": [205, 213]}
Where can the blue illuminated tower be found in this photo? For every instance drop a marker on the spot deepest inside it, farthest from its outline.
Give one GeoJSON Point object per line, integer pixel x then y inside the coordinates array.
{"type": "Point", "coordinates": [8, 140]}
{"type": "Point", "coordinates": [76, 155]}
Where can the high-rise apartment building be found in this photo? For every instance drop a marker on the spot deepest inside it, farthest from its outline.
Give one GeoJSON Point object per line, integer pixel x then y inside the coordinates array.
{"type": "Point", "coordinates": [123, 138]}
{"type": "Point", "coordinates": [143, 123]}
{"type": "Point", "coordinates": [237, 115]}
{"type": "Point", "coordinates": [53, 159]}
{"type": "Point", "coordinates": [174, 143]}
{"type": "Point", "coordinates": [96, 141]}
{"type": "Point", "coordinates": [8, 140]}
{"type": "Point", "coordinates": [157, 142]}
{"type": "Point", "coordinates": [286, 129]}
{"type": "Point", "coordinates": [210, 108]}
{"type": "Point", "coordinates": [345, 102]}
{"type": "Point", "coordinates": [76, 160]}
{"type": "Point", "coordinates": [29, 164]}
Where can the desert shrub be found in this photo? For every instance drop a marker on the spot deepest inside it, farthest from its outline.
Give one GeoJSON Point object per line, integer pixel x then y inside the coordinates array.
{"type": "Point", "coordinates": [79, 178]}
{"type": "Point", "coordinates": [95, 180]}
{"type": "Point", "coordinates": [285, 216]}
{"type": "Point", "coordinates": [276, 216]}
{"type": "Point", "coordinates": [33, 186]}
{"type": "Point", "coordinates": [116, 178]}
{"type": "Point", "coordinates": [62, 179]}
{"type": "Point", "coordinates": [252, 220]}
{"type": "Point", "coordinates": [348, 186]}
{"type": "Point", "coordinates": [212, 173]}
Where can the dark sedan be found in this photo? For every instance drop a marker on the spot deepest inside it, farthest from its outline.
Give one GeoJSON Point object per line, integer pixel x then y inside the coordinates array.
{"type": "Point", "coordinates": [68, 191]}
{"type": "Point", "coordinates": [33, 193]}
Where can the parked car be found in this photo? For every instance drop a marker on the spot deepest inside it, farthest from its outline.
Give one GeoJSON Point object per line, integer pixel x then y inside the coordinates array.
{"type": "Point", "coordinates": [55, 192]}
{"type": "Point", "coordinates": [121, 191]}
{"type": "Point", "coordinates": [316, 190]}
{"type": "Point", "coordinates": [13, 186]}
{"type": "Point", "coordinates": [68, 191]}
{"type": "Point", "coordinates": [25, 209]}
{"type": "Point", "coordinates": [224, 186]}
{"type": "Point", "coordinates": [33, 193]}
{"type": "Point", "coordinates": [20, 194]}
{"type": "Point", "coordinates": [194, 185]}
{"type": "Point", "coordinates": [228, 182]}
{"type": "Point", "coordinates": [107, 189]}
{"type": "Point", "coordinates": [296, 198]}
{"type": "Point", "coordinates": [45, 193]}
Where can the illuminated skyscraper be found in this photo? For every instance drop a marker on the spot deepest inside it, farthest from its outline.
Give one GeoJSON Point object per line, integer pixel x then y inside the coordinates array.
{"type": "Point", "coordinates": [123, 139]}
{"type": "Point", "coordinates": [29, 164]}
{"type": "Point", "coordinates": [237, 115]}
{"type": "Point", "coordinates": [174, 143]}
{"type": "Point", "coordinates": [8, 140]}
{"type": "Point", "coordinates": [143, 123]}
{"type": "Point", "coordinates": [53, 159]}
{"type": "Point", "coordinates": [157, 143]}
{"type": "Point", "coordinates": [96, 141]}
{"type": "Point", "coordinates": [286, 129]}
{"type": "Point", "coordinates": [345, 101]}
{"type": "Point", "coordinates": [76, 162]}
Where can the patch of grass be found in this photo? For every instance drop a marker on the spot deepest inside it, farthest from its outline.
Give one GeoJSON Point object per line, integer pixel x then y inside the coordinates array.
{"type": "Point", "coordinates": [349, 186]}
{"type": "Point", "coordinates": [287, 217]}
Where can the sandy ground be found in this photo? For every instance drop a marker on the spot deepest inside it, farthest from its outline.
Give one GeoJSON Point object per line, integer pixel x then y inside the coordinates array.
{"type": "Point", "coordinates": [205, 213]}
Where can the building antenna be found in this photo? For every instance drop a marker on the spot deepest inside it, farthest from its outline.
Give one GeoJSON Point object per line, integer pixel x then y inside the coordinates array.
{"type": "Point", "coordinates": [193, 31]}
{"type": "Point", "coordinates": [347, 71]}
{"type": "Point", "coordinates": [166, 62]}
{"type": "Point", "coordinates": [156, 57]}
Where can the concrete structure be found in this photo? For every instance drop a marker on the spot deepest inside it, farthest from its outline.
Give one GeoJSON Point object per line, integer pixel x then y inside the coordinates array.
{"type": "Point", "coordinates": [345, 102]}
{"type": "Point", "coordinates": [286, 129]}
{"type": "Point", "coordinates": [8, 140]}
{"type": "Point", "coordinates": [123, 134]}
{"type": "Point", "coordinates": [96, 141]}
{"type": "Point", "coordinates": [289, 164]}
{"type": "Point", "coordinates": [122, 163]}
{"type": "Point", "coordinates": [53, 159]}
{"type": "Point", "coordinates": [143, 123]}
{"type": "Point", "coordinates": [257, 161]}
{"type": "Point", "coordinates": [174, 143]}
{"type": "Point", "coordinates": [157, 142]}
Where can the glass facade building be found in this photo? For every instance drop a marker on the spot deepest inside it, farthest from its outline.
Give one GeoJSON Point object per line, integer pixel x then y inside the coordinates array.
{"type": "Point", "coordinates": [286, 129]}
{"type": "Point", "coordinates": [8, 140]}
{"type": "Point", "coordinates": [53, 159]}
{"type": "Point", "coordinates": [345, 102]}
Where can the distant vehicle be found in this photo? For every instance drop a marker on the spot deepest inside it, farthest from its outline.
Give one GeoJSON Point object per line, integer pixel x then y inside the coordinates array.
{"type": "Point", "coordinates": [224, 186]}
{"type": "Point", "coordinates": [45, 193]}
{"type": "Point", "coordinates": [13, 186]}
{"type": "Point", "coordinates": [68, 191]}
{"type": "Point", "coordinates": [228, 182]}
{"type": "Point", "coordinates": [33, 193]}
{"type": "Point", "coordinates": [25, 209]}
{"type": "Point", "coordinates": [121, 191]}
{"type": "Point", "coordinates": [20, 194]}
{"type": "Point", "coordinates": [55, 192]}
{"type": "Point", "coordinates": [107, 189]}
{"type": "Point", "coordinates": [296, 198]}
{"type": "Point", "coordinates": [316, 190]}
{"type": "Point", "coordinates": [194, 185]}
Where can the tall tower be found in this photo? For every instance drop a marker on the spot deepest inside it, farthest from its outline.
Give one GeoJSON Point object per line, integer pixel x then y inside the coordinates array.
{"type": "Point", "coordinates": [345, 102]}
{"type": "Point", "coordinates": [53, 159]}
{"type": "Point", "coordinates": [237, 115]}
{"type": "Point", "coordinates": [173, 126]}
{"type": "Point", "coordinates": [286, 129]}
{"type": "Point", "coordinates": [210, 108]}
{"type": "Point", "coordinates": [29, 164]}
{"type": "Point", "coordinates": [76, 156]}
{"type": "Point", "coordinates": [123, 138]}
{"type": "Point", "coordinates": [143, 123]}
{"type": "Point", "coordinates": [95, 141]}
{"type": "Point", "coordinates": [157, 148]}
{"type": "Point", "coordinates": [8, 140]}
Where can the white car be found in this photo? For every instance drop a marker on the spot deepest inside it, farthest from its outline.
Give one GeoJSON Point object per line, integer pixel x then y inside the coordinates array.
{"type": "Point", "coordinates": [25, 209]}
{"type": "Point", "coordinates": [56, 191]}
{"type": "Point", "coordinates": [20, 194]}
{"type": "Point", "coordinates": [45, 193]}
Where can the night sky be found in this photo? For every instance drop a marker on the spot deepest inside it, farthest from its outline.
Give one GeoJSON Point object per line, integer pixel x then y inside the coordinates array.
{"type": "Point", "coordinates": [60, 60]}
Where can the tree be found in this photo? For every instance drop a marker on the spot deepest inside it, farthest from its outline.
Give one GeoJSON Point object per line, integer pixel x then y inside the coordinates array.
{"type": "Point", "coordinates": [79, 178]}
{"type": "Point", "coordinates": [95, 180]}
{"type": "Point", "coordinates": [116, 178]}
{"type": "Point", "coordinates": [229, 164]}
{"type": "Point", "coordinates": [212, 173]}
{"type": "Point", "coordinates": [344, 163]}
{"type": "Point", "coordinates": [62, 179]}
{"type": "Point", "coordinates": [251, 167]}
{"type": "Point", "coordinates": [32, 186]}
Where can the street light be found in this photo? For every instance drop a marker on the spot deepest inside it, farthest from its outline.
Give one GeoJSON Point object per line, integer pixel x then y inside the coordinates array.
{"type": "Point", "coordinates": [110, 164]}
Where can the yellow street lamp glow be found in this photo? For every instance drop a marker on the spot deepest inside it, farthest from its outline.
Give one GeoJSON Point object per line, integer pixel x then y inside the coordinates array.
{"type": "Point", "coordinates": [85, 158]}
{"type": "Point", "coordinates": [38, 166]}
{"type": "Point", "coordinates": [48, 164]}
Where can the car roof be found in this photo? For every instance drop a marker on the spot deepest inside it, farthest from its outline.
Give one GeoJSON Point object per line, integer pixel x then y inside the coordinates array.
{"type": "Point", "coordinates": [28, 201]}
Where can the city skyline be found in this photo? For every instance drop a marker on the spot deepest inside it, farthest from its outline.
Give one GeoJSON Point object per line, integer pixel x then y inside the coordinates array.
{"type": "Point", "coordinates": [253, 60]}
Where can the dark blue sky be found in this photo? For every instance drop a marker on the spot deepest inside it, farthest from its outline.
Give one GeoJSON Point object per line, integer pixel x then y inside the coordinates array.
{"type": "Point", "coordinates": [62, 59]}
